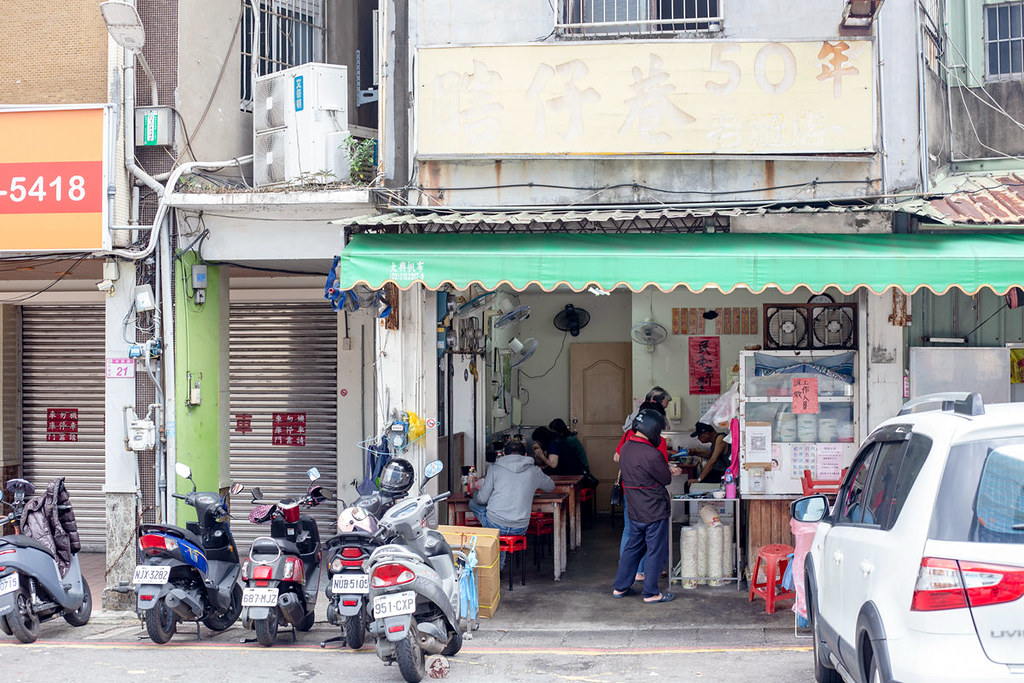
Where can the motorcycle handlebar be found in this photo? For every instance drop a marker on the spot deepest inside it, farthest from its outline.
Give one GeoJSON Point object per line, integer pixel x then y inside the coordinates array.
{"type": "Point", "coordinates": [178, 495]}
{"type": "Point", "coordinates": [443, 496]}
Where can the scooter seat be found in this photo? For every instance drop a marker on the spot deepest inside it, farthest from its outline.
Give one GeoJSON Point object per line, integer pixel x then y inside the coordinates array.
{"type": "Point", "coordinates": [23, 541]}
{"type": "Point", "coordinates": [271, 546]}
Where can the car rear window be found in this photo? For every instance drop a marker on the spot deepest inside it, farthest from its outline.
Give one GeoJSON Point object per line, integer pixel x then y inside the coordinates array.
{"type": "Point", "coordinates": [981, 497]}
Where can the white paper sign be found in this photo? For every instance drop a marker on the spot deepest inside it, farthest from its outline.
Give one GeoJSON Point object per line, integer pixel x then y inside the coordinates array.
{"type": "Point", "coordinates": [758, 442]}
{"type": "Point", "coordinates": [830, 460]}
{"type": "Point", "coordinates": [121, 368]}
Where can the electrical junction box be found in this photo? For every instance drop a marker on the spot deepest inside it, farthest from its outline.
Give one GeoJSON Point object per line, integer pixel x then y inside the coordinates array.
{"type": "Point", "coordinates": [144, 300]}
{"type": "Point", "coordinates": [154, 126]}
{"type": "Point", "coordinates": [198, 277]}
{"type": "Point", "coordinates": [141, 435]}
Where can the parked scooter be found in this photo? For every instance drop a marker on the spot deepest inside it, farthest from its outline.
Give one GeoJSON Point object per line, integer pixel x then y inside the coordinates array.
{"type": "Point", "coordinates": [414, 587]}
{"type": "Point", "coordinates": [282, 574]}
{"type": "Point", "coordinates": [348, 583]}
{"type": "Point", "coordinates": [32, 589]}
{"type": "Point", "coordinates": [189, 574]}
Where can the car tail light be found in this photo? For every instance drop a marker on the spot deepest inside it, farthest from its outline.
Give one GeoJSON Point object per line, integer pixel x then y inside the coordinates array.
{"type": "Point", "coordinates": [391, 575]}
{"type": "Point", "coordinates": [293, 569]}
{"type": "Point", "coordinates": [353, 556]}
{"type": "Point", "coordinates": [154, 544]}
{"type": "Point", "coordinates": [245, 570]}
{"type": "Point", "coordinates": [948, 584]}
{"type": "Point", "coordinates": [263, 572]}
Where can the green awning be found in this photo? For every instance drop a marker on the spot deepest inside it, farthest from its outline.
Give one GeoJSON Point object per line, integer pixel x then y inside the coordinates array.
{"type": "Point", "coordinates": [694, 261]}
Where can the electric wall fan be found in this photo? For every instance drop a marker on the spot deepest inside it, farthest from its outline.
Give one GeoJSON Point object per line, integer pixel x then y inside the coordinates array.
{"type": "Point", "coordinates": [521, 350]}
{"type": "Point", "coordinates": [571, 319]}
{"type": "Point", "coordinates": [648, 333]}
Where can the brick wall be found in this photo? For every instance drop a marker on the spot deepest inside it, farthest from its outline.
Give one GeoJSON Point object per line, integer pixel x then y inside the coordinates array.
{"type": "Point", "coordinates": [54, 52]}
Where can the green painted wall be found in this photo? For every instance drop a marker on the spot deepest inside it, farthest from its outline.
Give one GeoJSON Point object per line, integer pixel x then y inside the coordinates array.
{"type": "Point", "coordinates": [201, 351]}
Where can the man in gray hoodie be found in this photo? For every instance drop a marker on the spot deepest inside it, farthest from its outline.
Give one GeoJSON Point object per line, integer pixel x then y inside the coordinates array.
{"type": "Point", "coordinates": [504, 498]}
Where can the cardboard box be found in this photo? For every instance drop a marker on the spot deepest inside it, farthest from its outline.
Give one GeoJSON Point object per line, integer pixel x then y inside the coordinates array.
{"type": "Point", "coordinates": [488, 573]}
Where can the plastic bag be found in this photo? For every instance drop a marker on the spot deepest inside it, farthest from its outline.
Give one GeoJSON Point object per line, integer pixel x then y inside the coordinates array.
{"type": "Point", "coordinates": [724, 409]}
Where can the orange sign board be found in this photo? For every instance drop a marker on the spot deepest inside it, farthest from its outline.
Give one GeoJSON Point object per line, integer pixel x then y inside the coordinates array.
{"type": "Point", "coordinates": [52, 185]}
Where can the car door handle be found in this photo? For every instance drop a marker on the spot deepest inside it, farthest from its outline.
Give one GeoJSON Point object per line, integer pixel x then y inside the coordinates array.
{"type": "Point", "coordinates": [837, 557]}
{"type": "Point", "coordinates": [866, 567]}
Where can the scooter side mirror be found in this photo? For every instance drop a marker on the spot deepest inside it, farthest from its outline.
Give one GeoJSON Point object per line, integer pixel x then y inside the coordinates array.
{"type": "Point", "coordinates": [313, 473]}
{"type": "Point", "coordinates": [183, 470]}
{"type": "Point", "coordinates": [257, 493]}
{"type": "Point", "coordinates": [237, 488]}
{"type": "Point", "coordinates": [433, 469]}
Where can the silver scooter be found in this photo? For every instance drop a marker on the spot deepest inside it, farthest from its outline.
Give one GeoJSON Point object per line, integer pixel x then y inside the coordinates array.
{"type": "Point", "coordinates": [414, 587]}
{"type": "Point", "coordinates": [31, 587]}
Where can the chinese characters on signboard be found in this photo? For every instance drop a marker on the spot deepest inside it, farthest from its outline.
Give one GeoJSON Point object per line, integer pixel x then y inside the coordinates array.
{"type": "Point", "coordinates": [705, 376]}
{"type": "Point", "coordinates": [62, 424]}
{"type": "Point", "coordinates": [243, 423]}
{"type": "Point", "coordinates": [289, 429]}
{"type": "Point", "coordinates": [654, 97]}
{"type": "Point", "coordinates": [805, 394]}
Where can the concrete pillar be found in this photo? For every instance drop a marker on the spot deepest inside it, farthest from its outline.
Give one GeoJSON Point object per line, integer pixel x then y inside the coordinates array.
{"type": "Point", "coordinates": [407, 369]}
{"type": "Point", "coordinates": [10, 395]}
{"type": "Point", "coordinates": [121, 466]}
{"type": "Point", "coordinates": [883, 351]}
{"type": "Point", "coordinates": [201, 382]}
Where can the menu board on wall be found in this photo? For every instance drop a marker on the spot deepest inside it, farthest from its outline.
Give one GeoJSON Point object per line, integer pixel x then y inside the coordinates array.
{"type": "Point", "coordinates": [705, 373]}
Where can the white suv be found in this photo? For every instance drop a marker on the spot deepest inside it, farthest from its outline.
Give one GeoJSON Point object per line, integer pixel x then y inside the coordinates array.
{"type": "Point", "coordinates": [917, 572]}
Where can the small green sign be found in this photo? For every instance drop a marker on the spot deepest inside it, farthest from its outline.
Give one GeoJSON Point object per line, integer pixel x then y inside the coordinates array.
{"type": "Point", "coordinates": [149, 128]}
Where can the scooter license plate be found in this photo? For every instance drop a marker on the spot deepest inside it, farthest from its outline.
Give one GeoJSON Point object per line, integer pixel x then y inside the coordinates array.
{"type": "Point", "coordinates": [350, 584]}
{"type": "Point", "coordinates": [9, 584]}
{"type": "Point", "coordinates": [394, 604]}
{"type": "Point", "coordinates": [148, 575]}
{"type": "Point", "coordinates": [259, 597]}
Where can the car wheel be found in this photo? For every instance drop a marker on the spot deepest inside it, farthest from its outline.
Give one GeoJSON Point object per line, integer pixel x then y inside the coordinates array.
{"type": "Point", "coordinates": [822, 673]}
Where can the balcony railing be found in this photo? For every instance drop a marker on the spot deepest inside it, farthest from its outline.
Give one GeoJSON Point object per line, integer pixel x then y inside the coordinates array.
{"type": "Point", "coordinates": [639, 17]}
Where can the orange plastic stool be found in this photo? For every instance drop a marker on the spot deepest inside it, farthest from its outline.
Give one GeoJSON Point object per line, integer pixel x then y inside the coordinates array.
{"type": "Point", "coordinates": [515, 546]}
{"type": "Point", "coordinates": [772, 560]}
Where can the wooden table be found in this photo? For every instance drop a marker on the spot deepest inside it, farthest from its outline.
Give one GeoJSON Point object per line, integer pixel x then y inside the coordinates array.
{"type": "Point", "coordinates": [570, 484]}
{"type": "Point", "coordinates": [552, 503]}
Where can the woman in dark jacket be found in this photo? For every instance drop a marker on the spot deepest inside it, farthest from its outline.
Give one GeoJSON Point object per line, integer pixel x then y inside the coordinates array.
{"type": "Point", "coordinates": [552, 455]}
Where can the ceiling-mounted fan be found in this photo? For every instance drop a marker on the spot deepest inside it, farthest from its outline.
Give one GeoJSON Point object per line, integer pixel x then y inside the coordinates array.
{"type": "Point", "coordinates": [572, 319]}
{"type": "Point", "coordinates": [512, 317]}
{"type": "Point", "coordinates": [648, 333]}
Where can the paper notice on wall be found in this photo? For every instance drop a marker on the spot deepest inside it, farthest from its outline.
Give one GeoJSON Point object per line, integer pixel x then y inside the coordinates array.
{"type": "Point", "coordinates": [805, 395]}
{"type": "Point", "coordinates": [830, 460]}
{"type": "Point", "coordinates": [706, 401]}
{"type": "Point", "coordinates": [803, 456]}
{"type": "Point", "coordinates": [758, 442]}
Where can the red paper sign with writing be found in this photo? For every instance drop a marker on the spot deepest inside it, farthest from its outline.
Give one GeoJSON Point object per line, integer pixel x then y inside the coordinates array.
{"type": "Point", "coordinates": [705, 372]}
{"type": "Point", "coordinates": [289, 429]}
{"type": "Point", "coordinates": [243, 423]}
{"type": "Point", "coordinates": [62, 424]}
{"type": "Point", "coordinates": [805, 394]}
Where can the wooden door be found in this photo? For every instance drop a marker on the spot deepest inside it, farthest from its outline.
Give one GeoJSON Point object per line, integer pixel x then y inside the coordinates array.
{"type": "Point", "coordinates": [600, 389]}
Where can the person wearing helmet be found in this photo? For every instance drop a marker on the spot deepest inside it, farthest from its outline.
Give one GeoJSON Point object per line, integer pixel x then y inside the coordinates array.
{"type": "Point", "coordinates": [504, 498]}
{"type": "Point", "coordinates": [645, 476]}
{"type": "Point", "coordinates": [396, 478]}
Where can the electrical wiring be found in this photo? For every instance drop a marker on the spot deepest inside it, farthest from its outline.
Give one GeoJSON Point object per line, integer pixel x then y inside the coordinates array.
{"type": "Point", "coordinates": [48, 287]}
{"type": "Point", "coordinates": [565, 335]}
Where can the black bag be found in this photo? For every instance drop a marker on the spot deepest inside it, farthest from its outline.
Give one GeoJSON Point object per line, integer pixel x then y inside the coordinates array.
{"type": "Point", "coordinates": [616, 497]}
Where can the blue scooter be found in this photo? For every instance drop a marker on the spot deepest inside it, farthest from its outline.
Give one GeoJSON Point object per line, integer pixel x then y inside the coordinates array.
{"type": "Point", "coordinates": [189, 574]}
{"type": "Point", "coordinates": [31, 587]}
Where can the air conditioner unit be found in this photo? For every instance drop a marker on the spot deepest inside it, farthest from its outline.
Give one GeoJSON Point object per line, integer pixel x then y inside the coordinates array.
{"type": "Point", "coordinates": [300, 125]}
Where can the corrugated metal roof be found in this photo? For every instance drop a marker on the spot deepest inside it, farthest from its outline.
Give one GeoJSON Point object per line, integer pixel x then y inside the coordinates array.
{"type": "Point", "coordinates": [974, 199]}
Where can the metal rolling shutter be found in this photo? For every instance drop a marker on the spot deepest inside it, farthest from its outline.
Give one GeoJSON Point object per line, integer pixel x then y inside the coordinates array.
{"type": "Point", "coordinates": [283, 360]}
{"type": "Point", "coordinates": [62, 367]}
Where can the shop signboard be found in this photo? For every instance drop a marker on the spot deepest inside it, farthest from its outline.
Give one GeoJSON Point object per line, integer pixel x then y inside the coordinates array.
{"type": "Point", "coordinates": [646, 98]}
{"type": "Point", "coordinates": [53, 178]}
{"type": "Point", "coordinates": [62, 424]}
{"type": "Point", "coordinates": [289, 429]}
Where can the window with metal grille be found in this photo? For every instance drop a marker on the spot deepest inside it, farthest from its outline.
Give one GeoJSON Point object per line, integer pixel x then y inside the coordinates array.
{"type": "Point", "coordinates": [1004, 41]}
{"type": "Point", "coordinates": [291, 32]}
{"type": "Point", "coordinates": [645, 17]}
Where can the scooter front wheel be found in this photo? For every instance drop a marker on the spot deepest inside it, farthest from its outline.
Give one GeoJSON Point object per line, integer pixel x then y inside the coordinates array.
{"type": "Point", "coordinates": [22, 621]}
{"type": "Point", "coordinates": [307, 621]}
{"type": "Point", "coordinates": [266, 629]}
{"type": "Point", "coordinates": [223, 621]}
{"type": "Point", "coordinates": [80, 617]}
{"type": "Point", "coordinates": [160, 622]}
{"type": "Point", "coordinates": [411, 660]}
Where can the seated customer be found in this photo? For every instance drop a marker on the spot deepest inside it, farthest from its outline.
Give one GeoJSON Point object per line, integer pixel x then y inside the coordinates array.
{"type": "Point", "coordinates": [504, 498]}
{"type": "Point", "coordinates": [551, 453]}
{"type": "Point", "coordinates": [572, 442]}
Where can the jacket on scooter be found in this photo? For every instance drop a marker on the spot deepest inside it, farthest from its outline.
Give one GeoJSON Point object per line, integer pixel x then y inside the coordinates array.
{"type": "Point", "coordinates": [50, 520]}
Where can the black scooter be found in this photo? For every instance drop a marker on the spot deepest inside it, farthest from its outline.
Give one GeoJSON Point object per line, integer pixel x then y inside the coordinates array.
{"type": "Point", "coordinates": [189, 574]}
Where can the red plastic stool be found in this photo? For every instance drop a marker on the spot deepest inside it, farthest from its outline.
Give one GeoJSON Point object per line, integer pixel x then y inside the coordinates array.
{"type": "Point", "coordinates": [588, 496]}
{"type": "Point", "coordinates": [775, 559]}
{"type": "Point", "coordinates": [514, 545]}
{"type": "Point", "coordinates": [472, 521]}
{"type": "Point", "coordinates": [542, 526]}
